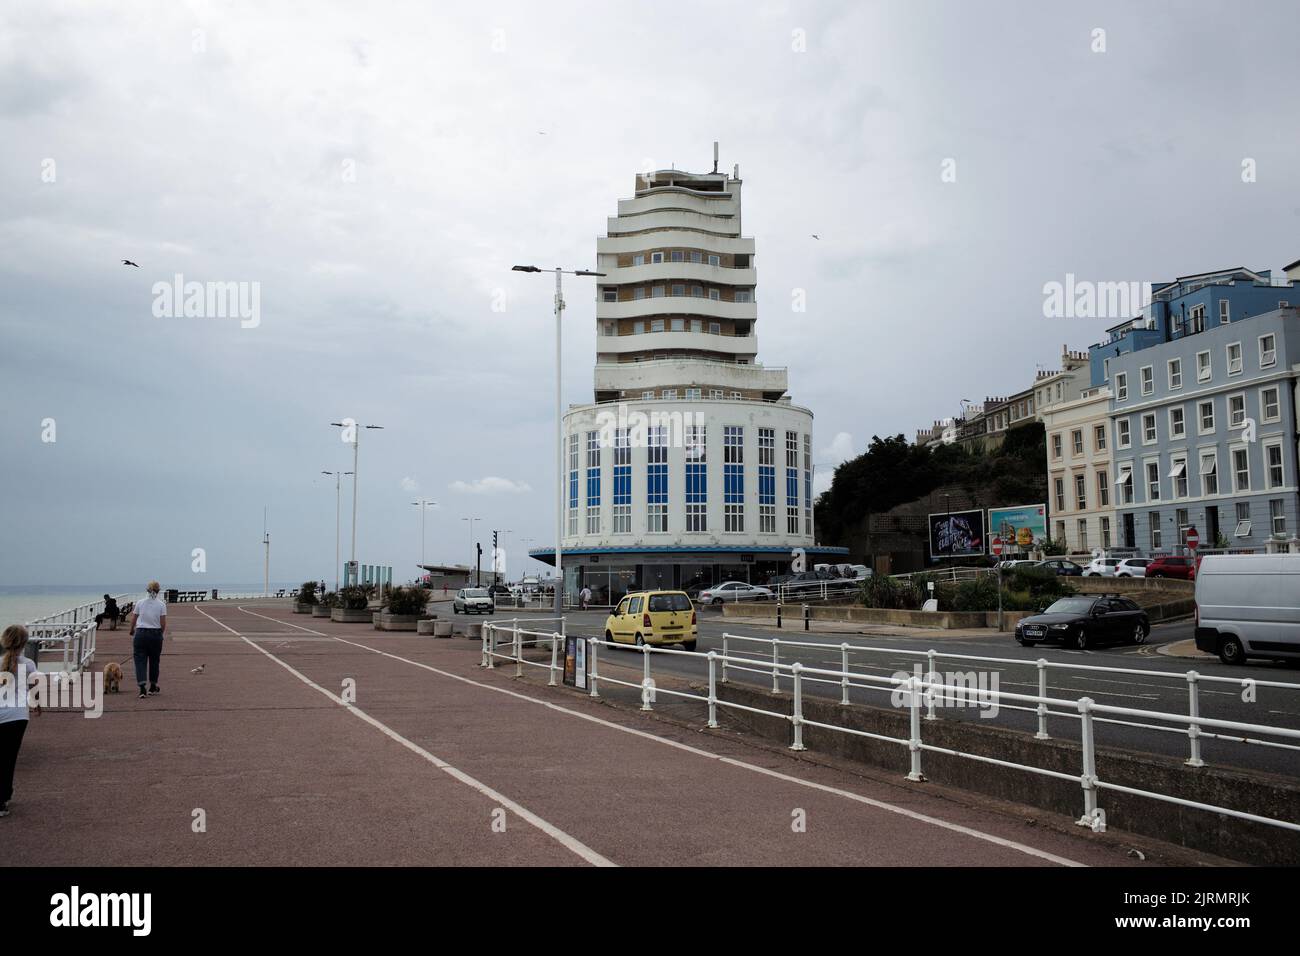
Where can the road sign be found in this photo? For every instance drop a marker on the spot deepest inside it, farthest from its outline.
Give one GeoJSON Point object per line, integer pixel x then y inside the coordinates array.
{"type": "Point", "coordinates": [1193, 539]}
{"type": "Point", "coordinates": [997, 546]}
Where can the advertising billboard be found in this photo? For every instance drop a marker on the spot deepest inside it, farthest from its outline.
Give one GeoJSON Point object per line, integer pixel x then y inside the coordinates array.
{"type": "Point", "coordinates": [1018, 527]}
{"type": "Point", "coordinates": [957, 535]}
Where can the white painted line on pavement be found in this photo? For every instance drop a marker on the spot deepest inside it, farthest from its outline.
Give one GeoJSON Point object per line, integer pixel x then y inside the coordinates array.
{"type": "Point", "coordinates": [848, 795]}
{"type": "Point", "coordinates": [568, 842]}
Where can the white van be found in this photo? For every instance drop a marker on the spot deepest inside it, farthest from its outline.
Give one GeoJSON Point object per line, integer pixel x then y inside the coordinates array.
{"type": "Point", "coordinates": [1248, 605]}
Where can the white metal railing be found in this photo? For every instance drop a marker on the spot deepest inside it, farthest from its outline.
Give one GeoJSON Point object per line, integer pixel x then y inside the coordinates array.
{"type": "Point", "coordinates": [1191, 679]}
{"type": "Point", "coordinates": [795, 591]}
{"type": "Point", "coordinates": [919, 693]}
{"type": "Point", "coordinates": [76, 643]}
{"type": "Point", "coordinates": [949, 574]}
{"type": "Point", "coordinates": [79, 614]}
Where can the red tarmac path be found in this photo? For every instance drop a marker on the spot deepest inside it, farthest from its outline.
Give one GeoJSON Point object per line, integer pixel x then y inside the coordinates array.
{"type": "Point", "coordinates": [434, 751]}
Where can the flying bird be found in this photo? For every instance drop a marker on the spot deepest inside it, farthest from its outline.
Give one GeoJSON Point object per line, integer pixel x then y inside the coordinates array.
{"type": "Point", "coordinates": [199, 669]}
{"type": "Point", "coordinates": [817, 237]}
{"type": "Point", "coordinates": [128, 262]}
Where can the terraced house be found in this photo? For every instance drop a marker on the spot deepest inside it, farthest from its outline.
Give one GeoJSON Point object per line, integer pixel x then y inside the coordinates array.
{"type": "Point", "coordinates": [1203, 411]}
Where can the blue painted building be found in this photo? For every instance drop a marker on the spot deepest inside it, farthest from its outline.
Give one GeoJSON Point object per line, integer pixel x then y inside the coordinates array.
{"type": "Point", "coordinates": [1203, 414]}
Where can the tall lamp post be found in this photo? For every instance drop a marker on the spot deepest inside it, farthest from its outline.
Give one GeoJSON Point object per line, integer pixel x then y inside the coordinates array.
{"type": "Point", "coordinates": [471, 546]}
{"type": "Point", "coordinates": [338, 495]}
{"type": "Point", "coordinates": [356, 445]}
{"type": "Point", "coordinates": [497, 550]}
{"type": "Point", "coordinates": [559, 426]}
{"type": "Point", "coordinates": [423, 504]}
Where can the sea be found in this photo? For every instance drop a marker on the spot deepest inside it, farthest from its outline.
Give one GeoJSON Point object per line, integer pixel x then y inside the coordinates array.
{"type": "Point", "coordinates": [20, 604]}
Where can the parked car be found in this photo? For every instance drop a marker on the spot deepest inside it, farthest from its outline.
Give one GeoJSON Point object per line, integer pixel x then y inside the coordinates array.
{"type": "Point", "coordinates": [1132, 568]}
{"type": "Point", "coordinates": [1083, 620]}
{"type": "Point", "coordinates": [735, 591]}
{"type": "Point", "coordinates": [655, 618]}
{"type": "Point", "coordinates": [1101, 567]}
{"type": "Point", "coordinates": [498, 591]}
{"type": "Point", "coordinates": [1248, 605]}
{"type": "Point", "coordinates": [472, 601]}
{"type": "Point", "coordinates": [1172, 567]}
{"type": "Point", "coordinates": [1062, 566]}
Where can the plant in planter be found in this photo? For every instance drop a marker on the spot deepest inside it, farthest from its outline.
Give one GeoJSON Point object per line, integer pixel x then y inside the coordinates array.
{"type": "Point", "coordinates": [351, 606]}
{"type": "Point", "coordinates": [403, 610]}
{"type": "Point", "coordinates": [305, 599]}
{"type": "Point", "coordinates": [326, 606]}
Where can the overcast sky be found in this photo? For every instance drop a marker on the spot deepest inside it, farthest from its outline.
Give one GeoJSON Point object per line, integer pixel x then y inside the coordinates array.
{"type": "Point", "coordinates": [377, 168]}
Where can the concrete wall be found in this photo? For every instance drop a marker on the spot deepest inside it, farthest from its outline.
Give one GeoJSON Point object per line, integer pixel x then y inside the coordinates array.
{"type": "Point", "coordinates": [1262, 794]}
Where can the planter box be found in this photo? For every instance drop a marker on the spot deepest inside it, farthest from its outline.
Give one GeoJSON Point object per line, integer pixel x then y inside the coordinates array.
{"type": "Point", "coordinates": [302, 608]}
{"type": "Point", "coordinates": [346, 616]}
{"type": "Point", "coordinates": [396, 622]}
{"type": "Point", "coordinates": [442, 628]}
{"type": "Point", "coordinates": [320, 610]}
{"type": "Point", "coordinates": [425, 626]}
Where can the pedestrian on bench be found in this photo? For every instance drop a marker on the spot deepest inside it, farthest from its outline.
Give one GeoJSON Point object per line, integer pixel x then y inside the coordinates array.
{"type": "Point", "coordinates": [110, 613]}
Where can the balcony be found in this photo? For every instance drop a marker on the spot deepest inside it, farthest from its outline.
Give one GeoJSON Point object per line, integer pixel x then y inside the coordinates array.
{"type": "Point", "coordinates": [679, 238]}
{"type": "Point", "coordinates": [677, 305]}
{"type": "Point", "coordinates": [669, 272]}
{"type": "Point", "coordinates": [667, 200]}
{"type": "Point", "coordinates": [740, 345]}
{"type": "Point", "coordinates": [634, 377]}
{"type": "Point", "coordinates": [672, 220]}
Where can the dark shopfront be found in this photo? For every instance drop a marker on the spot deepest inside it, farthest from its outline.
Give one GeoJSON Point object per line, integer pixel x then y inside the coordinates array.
{"type": "Point", "coordinates": [612, 575]}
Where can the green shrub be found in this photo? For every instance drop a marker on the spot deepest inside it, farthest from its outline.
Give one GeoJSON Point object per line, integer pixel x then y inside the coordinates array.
{"type": "Point", "coordinates": [1043, 584]}
{"type": "Point", "coordinates": [407, 600]}
{"type": "Point", "coordinates": [307, 593]}
{"type": "Point", "coordinates": [977, 594]}
{"type": "Point", "coordinates": [330, 600]}
{"type": "Point", "coordinates": [353, 598]}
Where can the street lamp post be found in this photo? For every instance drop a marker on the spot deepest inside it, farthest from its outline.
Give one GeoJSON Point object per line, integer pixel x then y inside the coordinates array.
{"type": "Point", "coordinates": [471, 546]}
{"type": "Point", "coordinates": [423, 504]}
{"type": "Point", "coordinates": [356, 446]}
{"type": "Point", "coordinates": [559, 426]}
{"type": "Point", "coordinates": [338, 494]}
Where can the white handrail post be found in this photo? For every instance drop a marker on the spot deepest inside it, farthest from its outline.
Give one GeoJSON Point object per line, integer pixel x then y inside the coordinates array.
{"type": "Point", "coordinates": [914, 744]}
{"type": "Point", "coordinates": [725, 654]}
{"type": "Point", "coordinates": [594, 645]}
{"type": "Point", "coordinates": [519, 652]}
{"type": "Point", "coordinates": [645, 677]}
{"type": "Point", "coordinates": [929, 679]}
{"type": "Point", "coordinates": [776, 660]}
{"type": "Point", "coordinates": [844, 673]}
{"type": "Point", "coordinates": [798, 708]}
{"type": "Point", "coordinates": [713, 689]}
{"type": "Point", "coordinates": [1042, 703]}
{"type": "Point", "coordinates": [1088, 778]}
{"type": "Point", "coordinates": [487, 659]}
{"type": "Point", "coordinates": [555, 649]}
{"type": "Point", "coordinates": [1194, 728]}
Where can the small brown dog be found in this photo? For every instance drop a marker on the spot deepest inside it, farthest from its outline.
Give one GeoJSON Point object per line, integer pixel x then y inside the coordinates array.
{"type": "Point", "coordinates": [113, 677]}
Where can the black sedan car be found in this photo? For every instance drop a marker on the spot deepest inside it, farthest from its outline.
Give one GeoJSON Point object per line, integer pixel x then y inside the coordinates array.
{"type": "Point", "coordinates": [1062, 567]}
{"type": "Point", "coordinates": [1085, 620]}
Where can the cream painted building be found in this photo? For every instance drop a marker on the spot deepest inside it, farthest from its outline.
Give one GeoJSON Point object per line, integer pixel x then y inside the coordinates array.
{"type": "Point", "coordinates": [1080, 479]}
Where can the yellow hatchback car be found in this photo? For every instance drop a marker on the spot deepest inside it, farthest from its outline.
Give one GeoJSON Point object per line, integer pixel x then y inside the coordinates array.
{"type": "Point", "coordinates": [653, 617]}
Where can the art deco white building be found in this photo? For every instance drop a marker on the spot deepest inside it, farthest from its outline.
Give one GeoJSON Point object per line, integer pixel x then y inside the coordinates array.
{"type": "Point", "coordinates": [692, 466]}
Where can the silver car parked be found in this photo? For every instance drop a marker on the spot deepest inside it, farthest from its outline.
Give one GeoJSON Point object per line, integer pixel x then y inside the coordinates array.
{"type": "Point", "coordinates": [472, 601]}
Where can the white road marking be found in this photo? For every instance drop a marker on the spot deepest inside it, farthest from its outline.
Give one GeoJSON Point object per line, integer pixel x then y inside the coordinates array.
{"type": "Point", "coordinates": [848, 795]}
{"type": "Point", "coordinates": [568, 842]}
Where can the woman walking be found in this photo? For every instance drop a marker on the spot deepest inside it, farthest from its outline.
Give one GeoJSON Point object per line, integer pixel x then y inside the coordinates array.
{"type": "Point", "coordinates": [148, 625]}
{"type": "Point", "coordinates": [16, 670]}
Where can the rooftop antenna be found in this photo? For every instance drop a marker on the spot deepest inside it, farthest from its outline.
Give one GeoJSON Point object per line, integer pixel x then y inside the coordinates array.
{"type": "Point", "coordinates": [715, 156]}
